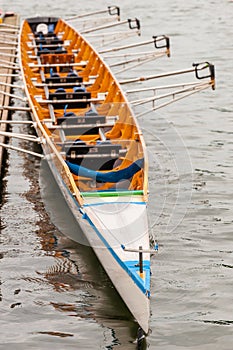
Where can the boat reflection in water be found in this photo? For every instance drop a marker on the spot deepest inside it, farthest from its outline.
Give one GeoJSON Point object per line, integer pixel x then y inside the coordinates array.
{"type": "Point", "coordinates": [75, 269]}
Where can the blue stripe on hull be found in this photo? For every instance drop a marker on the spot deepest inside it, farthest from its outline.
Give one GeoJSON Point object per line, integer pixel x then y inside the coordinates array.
{"type": "Point", "coordinates": [128, 266]}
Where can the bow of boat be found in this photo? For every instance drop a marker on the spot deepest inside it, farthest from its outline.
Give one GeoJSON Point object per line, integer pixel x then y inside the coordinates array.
{"type": "Point", "coordinates": [119, 237]}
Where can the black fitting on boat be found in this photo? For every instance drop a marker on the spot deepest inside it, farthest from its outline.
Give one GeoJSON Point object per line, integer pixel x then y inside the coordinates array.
{"type": "Point", "coordinates": [137, 23]}
{"type": "Point", "coordinates": [114, 10]}
{"type": "Point", "coordinates": [203, 65]}
{"type": "Point", "coordinates": [140, 260]}
{"type": "Point", "coordinates": [158, 38]}
{"type": "Point", "coordinates": [141, 339]}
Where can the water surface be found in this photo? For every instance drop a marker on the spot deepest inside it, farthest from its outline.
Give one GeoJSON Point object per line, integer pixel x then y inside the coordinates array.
{"type": "Point", "coordinates": [53, 292]}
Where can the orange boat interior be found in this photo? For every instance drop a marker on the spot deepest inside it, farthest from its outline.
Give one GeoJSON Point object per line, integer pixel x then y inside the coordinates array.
{"type": "Point", "coordinates": [80, 104]}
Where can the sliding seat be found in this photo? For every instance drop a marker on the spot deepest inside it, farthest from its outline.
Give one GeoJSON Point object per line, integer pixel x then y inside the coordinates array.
{"type": "Point", "coordinates": [74, 99]}
{"type": "Point", "coordinates": [98, 156]}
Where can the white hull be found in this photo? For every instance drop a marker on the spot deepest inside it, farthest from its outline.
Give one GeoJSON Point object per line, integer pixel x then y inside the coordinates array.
{"type": "Point", "coordinates": [137, 302]}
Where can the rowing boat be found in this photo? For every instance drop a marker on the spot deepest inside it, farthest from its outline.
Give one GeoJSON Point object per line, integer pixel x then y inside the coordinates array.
{"type": "Point", "coordinates": [95, 150]}
{"type": "Point", "coordinates": [93, 144]}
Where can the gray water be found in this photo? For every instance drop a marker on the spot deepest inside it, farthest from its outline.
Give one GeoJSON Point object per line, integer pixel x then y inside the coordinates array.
{"type": "Point", "coordinates": [53, 292]}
